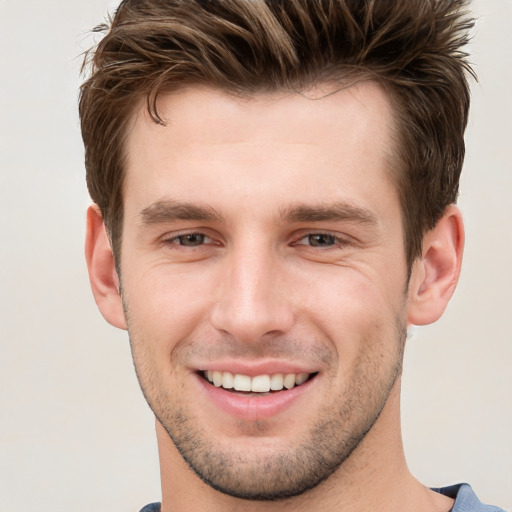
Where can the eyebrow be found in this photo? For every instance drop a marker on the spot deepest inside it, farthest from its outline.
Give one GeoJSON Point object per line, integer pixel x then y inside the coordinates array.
{"type": "Point", "coordinates": [171, 211]}
{"type": "Point", "coordinates": [333, 212]}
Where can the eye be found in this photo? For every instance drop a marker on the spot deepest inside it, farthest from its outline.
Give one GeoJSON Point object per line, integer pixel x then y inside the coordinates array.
{"type": "Point", "coordinates": [190, 239]}
{"type": "Point", "coordinates": [319, 240]}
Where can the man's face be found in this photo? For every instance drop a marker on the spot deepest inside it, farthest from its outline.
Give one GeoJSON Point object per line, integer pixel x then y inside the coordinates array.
{"type": "Point", "coordinates": [262, 246]}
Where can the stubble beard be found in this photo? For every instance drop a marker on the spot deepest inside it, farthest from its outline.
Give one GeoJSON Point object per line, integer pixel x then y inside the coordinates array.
{"type": "Point", "coordinates": [286, 473]}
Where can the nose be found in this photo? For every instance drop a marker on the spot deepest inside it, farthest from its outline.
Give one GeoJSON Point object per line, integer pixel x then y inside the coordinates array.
{"type": "Point", "coordinates": [252, 302]}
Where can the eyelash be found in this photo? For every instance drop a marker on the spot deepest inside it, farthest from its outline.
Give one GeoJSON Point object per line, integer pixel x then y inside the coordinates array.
{"type": "Point", "coordinates": [335, 241]}
{"type": "Point", "coordinates": [174, 240]}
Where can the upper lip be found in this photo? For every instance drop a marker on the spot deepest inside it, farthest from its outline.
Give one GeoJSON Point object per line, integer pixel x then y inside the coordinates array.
{"type": "Point", "coordinates": [254, 368]}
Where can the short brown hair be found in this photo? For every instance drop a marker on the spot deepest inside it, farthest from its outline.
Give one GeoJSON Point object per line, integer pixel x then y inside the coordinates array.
{"type": "Point", "coordinates": [414, 48]}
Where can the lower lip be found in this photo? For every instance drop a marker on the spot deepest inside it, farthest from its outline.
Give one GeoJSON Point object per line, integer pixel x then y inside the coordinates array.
{"type": "Point", "coordinates": [251, 407]}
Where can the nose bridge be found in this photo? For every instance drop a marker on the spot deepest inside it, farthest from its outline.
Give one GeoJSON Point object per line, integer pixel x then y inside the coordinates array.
{"type": "Point", "coordinates": [251, 300]}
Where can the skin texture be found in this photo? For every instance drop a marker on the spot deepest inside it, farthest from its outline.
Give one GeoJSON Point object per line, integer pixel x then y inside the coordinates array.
{"type": "Point", "coordinates": [263, 234]}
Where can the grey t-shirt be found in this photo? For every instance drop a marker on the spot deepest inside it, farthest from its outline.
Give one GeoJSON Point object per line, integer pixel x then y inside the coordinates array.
{"type": "Point", "coordinates": [465, 500]}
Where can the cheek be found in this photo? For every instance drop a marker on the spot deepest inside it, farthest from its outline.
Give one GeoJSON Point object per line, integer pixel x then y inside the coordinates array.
{"type": "Point", "coordinates": [165, 306]}
{"type": "Point", "coordinates": [353, 310]}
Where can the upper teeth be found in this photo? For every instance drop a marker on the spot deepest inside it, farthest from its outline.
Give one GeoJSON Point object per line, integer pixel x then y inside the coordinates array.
{"type": "Point", "coordinates": [257, 384]}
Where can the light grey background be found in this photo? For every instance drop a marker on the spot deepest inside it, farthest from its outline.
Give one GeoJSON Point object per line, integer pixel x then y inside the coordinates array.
{"type": "Point", "coordinates": [75, 433]}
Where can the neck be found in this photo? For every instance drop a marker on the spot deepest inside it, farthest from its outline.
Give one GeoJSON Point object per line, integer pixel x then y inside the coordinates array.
{"type": "Point", "coordinates": [374, 477]}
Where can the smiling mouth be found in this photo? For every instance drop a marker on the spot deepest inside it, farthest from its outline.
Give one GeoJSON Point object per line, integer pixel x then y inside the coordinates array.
{"type": "Point", "coordinates": [258, 384]}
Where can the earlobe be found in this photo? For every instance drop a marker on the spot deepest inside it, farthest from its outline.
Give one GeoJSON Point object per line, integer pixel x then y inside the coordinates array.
{"type": "Point", "coordinates": [102, 272]}
{"type": "Point", "coordinates": [436, 273]}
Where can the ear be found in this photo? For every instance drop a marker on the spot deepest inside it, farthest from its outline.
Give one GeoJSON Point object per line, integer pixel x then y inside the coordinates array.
{"type": "Point", "coordinates": [436, 273]}
{"type": "Point", "coordinates": [102, 270]}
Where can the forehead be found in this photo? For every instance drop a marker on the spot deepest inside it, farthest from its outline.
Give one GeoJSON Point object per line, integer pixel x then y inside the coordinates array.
{"type": "Point", "coordinates": [280, 145]}
{"type": "Point", "coordinates": [194, 110]}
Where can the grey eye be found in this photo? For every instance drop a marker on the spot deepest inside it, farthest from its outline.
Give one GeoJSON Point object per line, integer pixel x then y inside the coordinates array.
{"type": "Point", "coordinates": [191, 239]}
{"type": "Point", "coordinates": [321, 240]}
